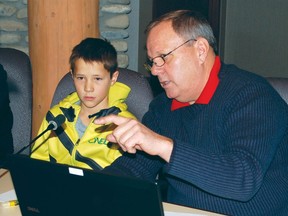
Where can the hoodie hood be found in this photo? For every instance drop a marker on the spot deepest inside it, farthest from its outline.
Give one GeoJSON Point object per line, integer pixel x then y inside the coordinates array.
{"type": "Point", "coordinates": [118, 94]}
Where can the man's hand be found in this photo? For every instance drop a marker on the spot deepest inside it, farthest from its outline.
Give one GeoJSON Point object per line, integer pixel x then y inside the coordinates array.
{"type": "Point", "coordinates": [131, 135]}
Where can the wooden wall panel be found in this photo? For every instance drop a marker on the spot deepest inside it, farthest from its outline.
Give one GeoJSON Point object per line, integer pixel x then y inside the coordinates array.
{"type": "Point", "coordinates": [55, 27]}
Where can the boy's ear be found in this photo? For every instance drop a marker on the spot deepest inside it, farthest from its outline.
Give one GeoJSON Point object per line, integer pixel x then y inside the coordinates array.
{"type": "Point", "coordinates": [114, 77]}
{"type": "Point", "coordinates": [71, 73]}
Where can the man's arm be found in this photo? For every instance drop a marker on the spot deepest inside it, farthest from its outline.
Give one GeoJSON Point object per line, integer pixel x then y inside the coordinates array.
{"type": "Point", "coordinates": [132, 135]}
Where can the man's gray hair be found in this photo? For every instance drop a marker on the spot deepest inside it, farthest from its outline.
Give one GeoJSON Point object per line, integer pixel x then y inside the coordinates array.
{"type": "Point", "coordinates": [188, 25]}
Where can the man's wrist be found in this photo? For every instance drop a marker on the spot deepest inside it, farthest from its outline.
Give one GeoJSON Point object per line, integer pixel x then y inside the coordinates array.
{"type": "Point", "coordinates": [166, 152]}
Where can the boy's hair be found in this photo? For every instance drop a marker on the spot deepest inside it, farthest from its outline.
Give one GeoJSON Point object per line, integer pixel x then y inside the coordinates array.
{"type": "Point", "coordinates": [95, 50]}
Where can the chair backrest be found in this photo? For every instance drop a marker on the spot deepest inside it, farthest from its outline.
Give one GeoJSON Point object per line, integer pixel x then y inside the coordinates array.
{"type": "Point", "coordinates": [281, 86]}
{"type": "Point", "coordinates": [138, 100]}
{"type": "Point", "coordinates": [19, 77]}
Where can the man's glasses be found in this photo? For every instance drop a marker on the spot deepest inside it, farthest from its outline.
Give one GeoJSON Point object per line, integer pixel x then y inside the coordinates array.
{"type": "Point", "coordinates": [159, 61]}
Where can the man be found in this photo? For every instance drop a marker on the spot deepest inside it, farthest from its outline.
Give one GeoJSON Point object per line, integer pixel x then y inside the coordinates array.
{"type": "Point", "coordinates": [220, 134]}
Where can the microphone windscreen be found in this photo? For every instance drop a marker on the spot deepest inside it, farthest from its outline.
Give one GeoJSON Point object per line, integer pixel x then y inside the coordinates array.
{"type": "Point", "coordinates": [59, 120]}
{"type": "Point", "coordinates": [56, 122]}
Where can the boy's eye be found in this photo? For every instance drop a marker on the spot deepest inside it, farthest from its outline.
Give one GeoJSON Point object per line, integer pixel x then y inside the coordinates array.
{"type": "Point", "coordinates": [94, 78]}
{"type": "Point", "coordinates": [79, 78]}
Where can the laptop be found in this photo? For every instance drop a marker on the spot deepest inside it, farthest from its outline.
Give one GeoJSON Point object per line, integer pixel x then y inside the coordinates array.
{"type": "Point", "coordinates": [49, 189]}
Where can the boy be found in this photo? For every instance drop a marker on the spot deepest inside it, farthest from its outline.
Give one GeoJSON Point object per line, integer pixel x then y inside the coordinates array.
{"type": "Point", "coordinates": [80, 142]}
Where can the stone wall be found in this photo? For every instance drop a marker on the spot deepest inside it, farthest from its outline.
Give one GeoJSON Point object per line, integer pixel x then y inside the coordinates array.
{"type": "Point", "coordinates": [14, 24]}
{"type": "Point", "coordinates": [113, 24]}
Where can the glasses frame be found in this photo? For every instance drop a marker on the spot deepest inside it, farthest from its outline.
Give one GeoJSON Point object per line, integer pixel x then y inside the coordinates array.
{"type": "Point", "coordinates": [149, 64]}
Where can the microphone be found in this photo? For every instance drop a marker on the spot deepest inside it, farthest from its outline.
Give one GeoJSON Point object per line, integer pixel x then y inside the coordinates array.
{"type": "Point", "coordinates": [52, 125]}
{"type": "Point", "coordinates": [58, 121]}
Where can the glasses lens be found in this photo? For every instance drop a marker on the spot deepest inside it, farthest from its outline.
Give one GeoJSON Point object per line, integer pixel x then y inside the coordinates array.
{"type": "Point", "coordinates": [159, 61]}
{"type": "Point", "coordinates": [149, 63]}
{"type": "Point", "coordinates": [147, 67]}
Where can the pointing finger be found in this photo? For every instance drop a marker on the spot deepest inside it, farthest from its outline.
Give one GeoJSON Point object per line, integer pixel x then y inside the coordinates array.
{"type": "Point", "coordinates": [110, 119]}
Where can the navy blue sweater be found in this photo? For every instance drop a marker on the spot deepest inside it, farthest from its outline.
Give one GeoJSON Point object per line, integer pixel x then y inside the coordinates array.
{"type": "Point", "coordinates": [230, 156]}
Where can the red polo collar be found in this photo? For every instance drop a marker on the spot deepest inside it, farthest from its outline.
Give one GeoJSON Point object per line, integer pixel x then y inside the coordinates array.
{"type": "Point", "coordinates": [208, 90]}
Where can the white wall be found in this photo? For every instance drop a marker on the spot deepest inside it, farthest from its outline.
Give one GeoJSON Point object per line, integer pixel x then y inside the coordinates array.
{"type": "Point", "coordinates": [254, 35]}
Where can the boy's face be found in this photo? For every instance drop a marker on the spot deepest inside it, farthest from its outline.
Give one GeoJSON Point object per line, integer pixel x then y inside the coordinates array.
{"type": "Point", "coordinates": [92, 82]}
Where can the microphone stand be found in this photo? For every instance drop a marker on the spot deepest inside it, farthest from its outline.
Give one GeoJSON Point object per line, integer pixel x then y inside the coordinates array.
{"type": "Point", "coordinates": [33, 140]}
{"type": "Point", "coordinates": [53, 125]}
{"type": "Point", "coordinates": [6, 164]}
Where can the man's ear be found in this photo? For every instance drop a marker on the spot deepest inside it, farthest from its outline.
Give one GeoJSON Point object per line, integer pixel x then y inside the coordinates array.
{"type": "Point", "coordinates": [202, 49]}
{"type": "Point", "coordinates": [114, 77]}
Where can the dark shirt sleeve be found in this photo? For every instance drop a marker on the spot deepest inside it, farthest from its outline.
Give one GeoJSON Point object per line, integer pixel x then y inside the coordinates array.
{"type": "Point", "coordinates": [139, 165]}
{"type": "Point", "coordinates": [6, 122]}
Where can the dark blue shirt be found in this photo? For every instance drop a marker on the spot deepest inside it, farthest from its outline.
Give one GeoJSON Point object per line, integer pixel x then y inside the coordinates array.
{"type": "Point", "coordinates": [230, 156]}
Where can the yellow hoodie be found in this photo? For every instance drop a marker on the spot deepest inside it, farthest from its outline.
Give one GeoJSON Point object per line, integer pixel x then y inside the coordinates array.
{"type": "Point", "coordinates": [92, 151]}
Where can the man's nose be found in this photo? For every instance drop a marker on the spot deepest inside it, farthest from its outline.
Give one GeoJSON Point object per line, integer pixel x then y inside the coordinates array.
{"type": "Point", "coordinates": [155, 70]}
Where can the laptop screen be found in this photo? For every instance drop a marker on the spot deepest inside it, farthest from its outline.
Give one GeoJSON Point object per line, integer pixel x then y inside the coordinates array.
{"type": "Point", "coordinates": [45, 188]}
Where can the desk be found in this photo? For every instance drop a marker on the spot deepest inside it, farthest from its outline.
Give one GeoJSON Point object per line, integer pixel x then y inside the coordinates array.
{"type": "Point", "coordinates": [6, 185]}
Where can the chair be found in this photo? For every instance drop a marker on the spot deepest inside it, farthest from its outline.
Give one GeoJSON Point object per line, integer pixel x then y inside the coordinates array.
{"type": "Point", "coordinates": [280, 85]}
{"type": "Point", "coordinates": [18, 67]}
{"type": "Point", "coordinates": [138, 100]}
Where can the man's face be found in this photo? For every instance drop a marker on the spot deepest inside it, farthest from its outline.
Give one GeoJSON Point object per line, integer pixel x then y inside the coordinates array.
{"type": "Point", "coordinates": [181, 76]}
